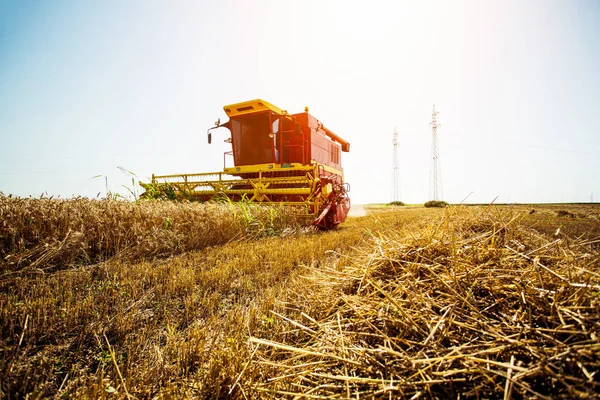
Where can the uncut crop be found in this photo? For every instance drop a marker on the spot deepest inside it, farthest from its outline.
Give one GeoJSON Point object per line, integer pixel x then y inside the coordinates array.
{"type": "Point", "coordinates": [44, 234]}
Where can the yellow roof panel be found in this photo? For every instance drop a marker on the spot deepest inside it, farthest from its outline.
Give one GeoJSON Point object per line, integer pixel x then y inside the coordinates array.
{"type": "Point", "coordinates": [250, 107]}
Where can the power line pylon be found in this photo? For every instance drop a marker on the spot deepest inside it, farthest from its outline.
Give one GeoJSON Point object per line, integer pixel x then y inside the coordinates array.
{"type": "Point", "coordinates": [436, 168]}
{"type": "Point", "coordinates": [396, 172]}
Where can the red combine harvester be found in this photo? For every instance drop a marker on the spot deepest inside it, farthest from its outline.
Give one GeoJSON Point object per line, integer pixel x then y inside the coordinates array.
{"type": "Point", "coordinates": [278, 158]}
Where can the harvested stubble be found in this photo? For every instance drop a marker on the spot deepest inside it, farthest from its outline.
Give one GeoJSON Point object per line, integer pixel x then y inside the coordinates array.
{"type": "Point", "coordinates": [48, 234]}
{"type": "Point", "coordinates": [477, 305]}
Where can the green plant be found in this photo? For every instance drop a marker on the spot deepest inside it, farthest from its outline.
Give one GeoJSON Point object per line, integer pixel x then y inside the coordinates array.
{"type": "Point", "coordinates": [159, 191]}
{"type": "Point", "coordinates": [133, 189]}
{"type": "Point", "coordinates": [108, 193]}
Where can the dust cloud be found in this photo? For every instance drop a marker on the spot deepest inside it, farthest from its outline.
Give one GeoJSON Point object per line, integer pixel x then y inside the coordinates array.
{"type": "Point", "coordinates": [357, 211]}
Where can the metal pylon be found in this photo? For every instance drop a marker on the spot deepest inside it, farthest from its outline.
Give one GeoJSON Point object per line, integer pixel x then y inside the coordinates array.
{"type": "Point", "coordinates": [435, 158]}
{"type": "Point", "coordinates": [396, 172]}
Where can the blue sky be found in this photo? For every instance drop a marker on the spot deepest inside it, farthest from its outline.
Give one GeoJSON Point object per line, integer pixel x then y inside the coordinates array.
{"type": "Point", "coordinates": [88, 86]}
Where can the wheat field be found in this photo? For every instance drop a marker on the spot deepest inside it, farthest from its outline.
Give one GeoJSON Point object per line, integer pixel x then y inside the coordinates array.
{"type": "Point", "coordinates": [111, 299]}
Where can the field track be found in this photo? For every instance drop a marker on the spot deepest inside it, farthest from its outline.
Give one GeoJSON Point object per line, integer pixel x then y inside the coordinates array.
{"type": "Point", "coordinates": [255, 314]}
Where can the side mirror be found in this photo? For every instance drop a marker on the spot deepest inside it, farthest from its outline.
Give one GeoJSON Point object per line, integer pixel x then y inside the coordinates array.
{"type": "Point", "coordinates": [297, 128]}
{"type": "Point", "coordinates": [209, 137]}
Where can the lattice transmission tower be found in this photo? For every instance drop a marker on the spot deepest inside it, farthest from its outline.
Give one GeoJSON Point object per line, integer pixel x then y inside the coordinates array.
{"type": "Point", "coordinates": [396, 172]}
{"type": "Point", "coordinates": [436, 167]}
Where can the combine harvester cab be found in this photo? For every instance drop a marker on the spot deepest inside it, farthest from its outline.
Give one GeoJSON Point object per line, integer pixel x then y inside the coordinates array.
{"type": "Point", "coordinates": [279, 158]}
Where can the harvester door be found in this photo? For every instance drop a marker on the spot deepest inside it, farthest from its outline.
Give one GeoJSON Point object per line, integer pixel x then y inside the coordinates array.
{"type": "Point", "coordinates": [252, 143]}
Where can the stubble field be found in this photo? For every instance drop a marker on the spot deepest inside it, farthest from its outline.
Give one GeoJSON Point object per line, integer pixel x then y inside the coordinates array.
{"type": "Point", "coordinates": [108, 299]}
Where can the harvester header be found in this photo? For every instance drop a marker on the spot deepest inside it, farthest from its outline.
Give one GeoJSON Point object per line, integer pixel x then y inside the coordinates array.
{"type": "Point", "coordinates": [278, 157]}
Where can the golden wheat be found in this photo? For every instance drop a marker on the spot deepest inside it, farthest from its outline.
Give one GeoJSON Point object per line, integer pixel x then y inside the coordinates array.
{"type": "Point", "coordinates": [44, 234]}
